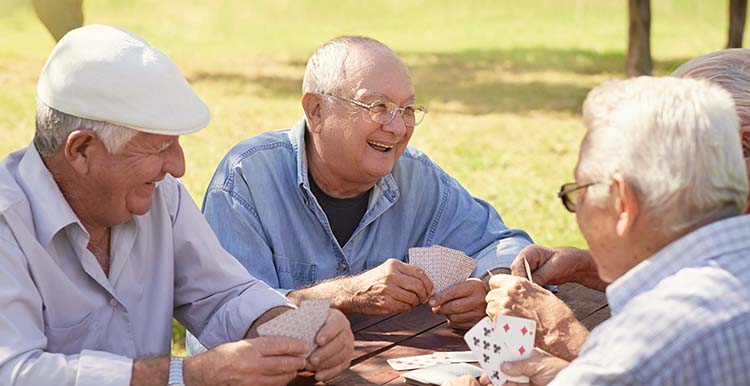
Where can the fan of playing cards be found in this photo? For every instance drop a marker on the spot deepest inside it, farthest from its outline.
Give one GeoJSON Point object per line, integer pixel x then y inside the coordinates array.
{"type": "Point", "coordinates": [444, 266]}
{"type": "Point", "coordinates": [302, 323]}
{"type": "Point", "coordinates": [511, 339]}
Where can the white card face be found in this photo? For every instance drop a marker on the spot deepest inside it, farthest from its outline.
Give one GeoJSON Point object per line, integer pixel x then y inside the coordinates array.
{"type": "Point", "coordinates": [444, 266]}
{"type": "Point", "coordinates": [517, 335]}
{"type": "Point", "coordinates": [441, 373]}
{"type": "Point", "coordinates": [459, 356]}
{"type": "Point", "coordinates": [418, 362]}
{"type": "Point", "coordinates": [302, 323]}
{"type": "Point", "coordinates": [487, 349]}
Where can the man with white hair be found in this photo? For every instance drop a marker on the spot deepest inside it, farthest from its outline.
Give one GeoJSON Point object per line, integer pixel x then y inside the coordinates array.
{"type": "Point", "coordinates": [730, 69]}
{"type": "Point", "coordinates": [337, 201]}
{"type": "Point", "coordinates": [101, 245]}
{"type": "Point", "coordinates": [659, 194]}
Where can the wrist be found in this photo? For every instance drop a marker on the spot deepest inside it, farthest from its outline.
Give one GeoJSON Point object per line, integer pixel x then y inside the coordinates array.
{"type": "Point", "coordinates": [192, 373]}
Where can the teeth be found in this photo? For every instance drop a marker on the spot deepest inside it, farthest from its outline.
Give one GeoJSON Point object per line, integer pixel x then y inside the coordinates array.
{"type": "Point", "coordinates": [380, 144]}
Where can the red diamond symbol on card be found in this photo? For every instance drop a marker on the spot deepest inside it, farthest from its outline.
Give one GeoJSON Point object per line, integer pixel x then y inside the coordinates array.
{"type": "Point", "coordinates": [524, 330]}
{"type": "Point", "coordinates": [506, 327]}
{"type": "Point", "coordinates": [521, 350]}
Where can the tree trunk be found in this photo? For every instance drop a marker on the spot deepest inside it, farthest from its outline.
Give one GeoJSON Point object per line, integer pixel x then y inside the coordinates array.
{"type": "Point", "coordinates": [639, 40]}
{"type": "Point", "coordinates": [737, 13]}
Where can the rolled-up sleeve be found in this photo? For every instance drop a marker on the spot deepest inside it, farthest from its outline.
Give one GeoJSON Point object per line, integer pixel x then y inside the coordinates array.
{"type": "Point", "coordinates": [23, 360]}
{"type": "Point", "coordinates": [215, 297]}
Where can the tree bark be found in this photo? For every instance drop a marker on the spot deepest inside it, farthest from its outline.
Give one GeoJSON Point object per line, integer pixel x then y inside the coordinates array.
{"type": "Point", "coordinates": [639, 38]}
{"type": "Point", "coordinates": [737, 14]}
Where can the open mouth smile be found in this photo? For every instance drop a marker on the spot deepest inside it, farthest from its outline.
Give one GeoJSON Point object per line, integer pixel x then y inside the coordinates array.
{"type": "Point", "coordinates": [381, 147]}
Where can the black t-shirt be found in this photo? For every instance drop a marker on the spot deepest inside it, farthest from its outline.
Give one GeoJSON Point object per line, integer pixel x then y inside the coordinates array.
{"type": "Point", "coordinates": [344, 214]}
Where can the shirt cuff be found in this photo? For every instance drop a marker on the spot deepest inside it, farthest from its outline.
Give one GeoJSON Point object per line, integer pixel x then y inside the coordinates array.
{"type": "Point", "coordinates": [98, 368]}
{"type": "Point", "coordinates": [231, 322]}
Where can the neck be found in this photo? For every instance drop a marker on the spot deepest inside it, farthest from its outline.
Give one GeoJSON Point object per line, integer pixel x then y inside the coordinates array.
{"type": "Point", "coordinates": [330, 182]}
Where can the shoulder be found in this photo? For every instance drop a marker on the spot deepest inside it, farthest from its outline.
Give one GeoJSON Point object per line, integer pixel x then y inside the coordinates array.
{"type": "Point", "coordinates": [11, 193]}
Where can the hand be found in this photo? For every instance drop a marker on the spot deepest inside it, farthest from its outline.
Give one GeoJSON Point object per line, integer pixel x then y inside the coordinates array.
{"type": "Point", "coordinates": [468, 380]}
{"type": "Point", "coordinates": [393, 286]}
{"type": "Point", "coordinates": [265, 361]}
{"type": "Point", "coordinates": [335, 347]}
{"type": "Point", "coordinates": [462, 304]}
{"type": "Point", "coordinates": [558, 265]}
{"type": "Point", "coordinates": [558, 330]}
{"type": "Point", "coordinates": [540, 367]}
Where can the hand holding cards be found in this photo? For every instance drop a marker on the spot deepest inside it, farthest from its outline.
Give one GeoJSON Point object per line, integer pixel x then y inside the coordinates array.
{"type": "Point", "coordinates": [444, 266]}
{"type": "Point", "coordinates": [302, 323]}
{"type": "Point", "coordinates": [511, 339]}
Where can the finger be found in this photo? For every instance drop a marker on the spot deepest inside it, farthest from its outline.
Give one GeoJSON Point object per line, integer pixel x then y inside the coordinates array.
{"type": "Point", "coordinates": [470, 317]}
{"type": "Point", "coordinates": [465, 303]}
{"type": "Point", "coordinates": [417, 273]}
{"type": "Point", "coordinates": [517, 267]}
{"type": "Point", "coordinates": [279, 345]}
{"type": "Point", "coordinates": [455, 291]}
{"type": "Point", "coordinates": [331, 353]}
{"type": "Point", "coordinates": [333, 372]}
{"type": "Point", "coordinates": [413, 285]}
{"type": "Point", "coordinates": [279, 365]}
{"type": "Point", "coordinates": [484, 380]}
{"type": "Point", "coordinates": [335, 323]}
{"type": "Point", "coordinates": [403, 296]}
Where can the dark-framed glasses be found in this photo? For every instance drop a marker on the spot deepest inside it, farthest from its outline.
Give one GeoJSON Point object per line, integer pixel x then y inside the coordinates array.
{"type": "Point", "coordinates": [569, 194]}
{"type": "Point", "coordinates": [385, 112]}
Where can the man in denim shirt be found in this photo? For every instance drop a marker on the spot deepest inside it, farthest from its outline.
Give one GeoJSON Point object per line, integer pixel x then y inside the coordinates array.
{"type": "Point", "coordinates": [330, 208]}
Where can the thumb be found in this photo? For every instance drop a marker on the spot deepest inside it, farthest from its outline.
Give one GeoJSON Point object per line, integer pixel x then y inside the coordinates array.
{"type": "Point", "coordinates": [516, 368]}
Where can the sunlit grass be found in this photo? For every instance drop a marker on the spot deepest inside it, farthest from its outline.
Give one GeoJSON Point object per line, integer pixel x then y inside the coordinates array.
{"type": "Point", "coordinates": [504, 80]}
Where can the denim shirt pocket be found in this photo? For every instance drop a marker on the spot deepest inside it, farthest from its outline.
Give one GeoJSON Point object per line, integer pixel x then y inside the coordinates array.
{"type": "Point", "coordinates": [72, 339]}
{"type": "Point", "coordinates": [294, 274]}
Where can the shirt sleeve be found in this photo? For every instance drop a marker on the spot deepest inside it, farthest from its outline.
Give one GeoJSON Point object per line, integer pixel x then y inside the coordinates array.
{"type": "Point", "coordinates": [23, 360]}
{"type": "Point", "coordinates": [215, 297]}
{"type": "Point", "coordinates": [474, 226]}
{"type": "Point", "coordinates": [232, 215]}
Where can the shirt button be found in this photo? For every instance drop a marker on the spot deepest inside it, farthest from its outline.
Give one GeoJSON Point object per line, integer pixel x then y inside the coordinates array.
{"type": "Point", "coordinates": [343, 267]}
{"type": "Point", "coordinates": [113, 302]}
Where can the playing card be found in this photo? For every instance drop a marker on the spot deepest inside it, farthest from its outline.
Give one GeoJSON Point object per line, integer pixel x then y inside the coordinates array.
{"type": "Point", "coordinates": [459, 356]}
{"type": "Point", "coordinates": [518, 336]}
{"type": "Point", "coordinates": [528, 270]}
{"type": "Point", "coordinates": [418, 362]}
{"type": "Point", "coordinates": [487, 350]}
{"type": "Point", "coordinates": [444, 266]}
{"type": "Point", "coordinates": [302, 323]}
{"type": "Point", "coordinates": [440, 373]}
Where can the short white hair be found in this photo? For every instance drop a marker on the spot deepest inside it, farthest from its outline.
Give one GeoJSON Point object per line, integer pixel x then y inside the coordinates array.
{"type": "Point", "coordinates": [676, 140]}
{"type": "Point", "coordinates": [326, 68]}
{"type": "Point", "coordinates": [730, 69]}
{"type": "Point", "coordinates": [54, 126]}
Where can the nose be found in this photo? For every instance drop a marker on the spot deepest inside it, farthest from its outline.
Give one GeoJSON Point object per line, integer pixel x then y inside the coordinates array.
{"type": "Point", "coordinates": [396, 125]}
{"type": "Point", "coordinates": [174, 160]}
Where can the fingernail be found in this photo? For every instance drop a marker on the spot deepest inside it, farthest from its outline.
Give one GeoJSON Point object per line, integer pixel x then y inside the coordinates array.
{"type": "Point", "coordinates": [433, 303]}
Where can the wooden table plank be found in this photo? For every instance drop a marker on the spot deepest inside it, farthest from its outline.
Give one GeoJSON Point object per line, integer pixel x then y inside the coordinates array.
{"type": "Point", "coordinates": [582, 300]}
{"type": "Point", "coordinates": [596, 318]}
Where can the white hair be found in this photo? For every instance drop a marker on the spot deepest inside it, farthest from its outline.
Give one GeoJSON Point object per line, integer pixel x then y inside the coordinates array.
{"type": "Point", "coordinates": [730, 69]}
{"type": "Point", "coordinates": [326, 68]}
{"type": "Point", "coordinates": [677, 142]}
{"type": "Point", "coordinates": [54, 126]}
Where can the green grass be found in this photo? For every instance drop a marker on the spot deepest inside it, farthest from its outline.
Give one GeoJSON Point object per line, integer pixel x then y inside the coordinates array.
{"type": "Point", "coordinates": [504, 80]}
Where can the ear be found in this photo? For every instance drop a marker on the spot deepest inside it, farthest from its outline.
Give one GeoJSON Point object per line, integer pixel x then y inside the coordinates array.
{"type": "Point", "coordinates": [79, 147]}
{"type": "Point", "coordinates": [626, 204]}
{"type": "Point", "coordinates": [311, 105]}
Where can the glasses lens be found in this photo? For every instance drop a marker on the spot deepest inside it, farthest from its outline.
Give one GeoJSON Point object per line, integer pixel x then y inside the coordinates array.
{"type": "Point", "coordinates": [568, 195]}
{"type": "Point", "coordinates": [419, 113]}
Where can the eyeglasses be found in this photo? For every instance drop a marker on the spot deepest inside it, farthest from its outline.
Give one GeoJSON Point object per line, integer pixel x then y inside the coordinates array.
{"type": "Point", "coordinates": [569, 194]}
{"type": "Point", "coordinates": [385, 112]}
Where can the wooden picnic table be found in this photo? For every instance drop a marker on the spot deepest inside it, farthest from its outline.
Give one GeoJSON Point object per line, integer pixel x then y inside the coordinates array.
{"type": "Point", "coordinates": [419, 331]}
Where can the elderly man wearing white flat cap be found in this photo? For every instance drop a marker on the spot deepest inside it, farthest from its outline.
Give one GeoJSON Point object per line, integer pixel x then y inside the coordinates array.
{"type": "Point", "coordinates": [101, 245]}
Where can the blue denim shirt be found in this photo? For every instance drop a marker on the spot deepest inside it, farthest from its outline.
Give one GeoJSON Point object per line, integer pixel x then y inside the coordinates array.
{"type": "Point", "coordinates": [260, 205]}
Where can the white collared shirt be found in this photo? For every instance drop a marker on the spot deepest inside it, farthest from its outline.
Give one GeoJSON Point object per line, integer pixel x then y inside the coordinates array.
{"type": "Point", "coordinates": [64, 322]}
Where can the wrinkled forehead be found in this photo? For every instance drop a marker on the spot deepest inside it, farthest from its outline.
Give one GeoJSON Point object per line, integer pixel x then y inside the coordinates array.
{"type": "Point", "coordinates": [373, 72]}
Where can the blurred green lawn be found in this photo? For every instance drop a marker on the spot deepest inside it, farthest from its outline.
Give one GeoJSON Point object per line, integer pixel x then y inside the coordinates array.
{"type": "Point", "coordinates": [504, 80]}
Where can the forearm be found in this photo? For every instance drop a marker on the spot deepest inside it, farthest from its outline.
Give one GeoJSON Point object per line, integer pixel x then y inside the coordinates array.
{"type": "Point", "coordinates": [252, 332]}
{"type": "Point", "coordinates": [566, 338]}
{"type": "Point", "coordinates": [151, 372]}
{"type": "Point", "coordinates": [341, 291]}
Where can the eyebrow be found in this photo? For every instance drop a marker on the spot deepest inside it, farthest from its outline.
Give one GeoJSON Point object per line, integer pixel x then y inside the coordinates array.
{"type": "Point", "coordinates": [410, 100]}
{"type": "Point", "coordinates": [165, 145]}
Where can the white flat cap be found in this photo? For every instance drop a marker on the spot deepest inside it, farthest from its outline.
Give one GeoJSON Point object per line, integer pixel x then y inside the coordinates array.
{"type": "Point", "coordinates": [108, 74]}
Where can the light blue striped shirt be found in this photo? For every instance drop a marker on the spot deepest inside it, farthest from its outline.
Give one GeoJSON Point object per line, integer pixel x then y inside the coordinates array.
{"type": "Point", "coordinates": [682, 317]}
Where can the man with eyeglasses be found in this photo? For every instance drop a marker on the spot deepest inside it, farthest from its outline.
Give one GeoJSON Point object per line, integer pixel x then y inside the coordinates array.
{"type": "Point", "coordinates": [668, 233]}
{"type": "Point", "coordinates": [329, 208]}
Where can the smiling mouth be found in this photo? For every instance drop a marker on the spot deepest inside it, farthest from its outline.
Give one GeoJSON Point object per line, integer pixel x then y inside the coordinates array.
{"type": "Point", "coordinates": [381, 147]}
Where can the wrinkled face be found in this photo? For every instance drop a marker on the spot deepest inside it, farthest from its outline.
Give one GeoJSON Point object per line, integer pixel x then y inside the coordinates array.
{"type": "Point", "coordinates": [359, 149]}
{"type": "Point", "coordinates": [124, 183]}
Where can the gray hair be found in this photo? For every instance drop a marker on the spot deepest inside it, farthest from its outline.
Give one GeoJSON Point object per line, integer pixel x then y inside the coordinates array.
{"type": "Point", "coordinates": [675, 140]}
{"type": "Point", "coordinates": [729, 69]}
{"type": "Point", "coordinates": [326, 68]}
{"type": "Point", "coordinates": [54, 126]}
